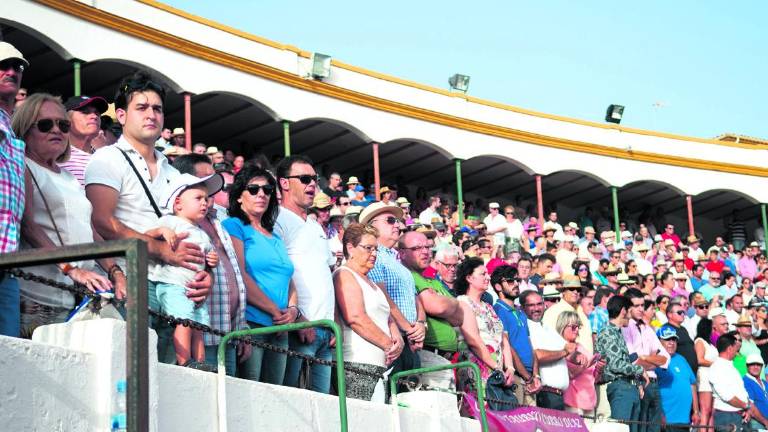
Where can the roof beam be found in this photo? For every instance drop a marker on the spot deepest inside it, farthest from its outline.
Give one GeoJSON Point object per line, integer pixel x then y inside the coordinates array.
{"type": "Point", "coordinates": [382, 156]}
{"type": "Point", "coordinates": [481, 185]}
{"type": "Point", "coordinates": [224, 115]}
{"type": "Point", "coordinates": [699, 202]}
{"type": "Point", "coordinates": [333, 137]}
{"type": "Point", "coordinates": [249, 128]}
{"type": "Point", "coordinates": [198, 99]}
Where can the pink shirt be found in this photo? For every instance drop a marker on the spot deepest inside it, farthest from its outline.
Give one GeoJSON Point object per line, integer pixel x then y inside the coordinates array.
{"type": "Point", "coordinates": [581, 391]}
{"type": "Point", "coordinates": [641, 339]}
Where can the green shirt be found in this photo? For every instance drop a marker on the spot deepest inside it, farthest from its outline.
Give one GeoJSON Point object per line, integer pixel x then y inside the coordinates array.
{"type": "Point", "coordinates": [440, 334]}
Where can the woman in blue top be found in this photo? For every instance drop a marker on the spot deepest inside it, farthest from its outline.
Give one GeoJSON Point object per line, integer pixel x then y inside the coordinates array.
{"type": "Point", "coordinates": [268, 269]}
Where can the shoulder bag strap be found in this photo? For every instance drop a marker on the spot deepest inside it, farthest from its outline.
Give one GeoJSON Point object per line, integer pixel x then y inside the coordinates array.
{"type": "Point", "coordinates": [143, 185]}
{"type": "Point", "coordinates": [47, 208]}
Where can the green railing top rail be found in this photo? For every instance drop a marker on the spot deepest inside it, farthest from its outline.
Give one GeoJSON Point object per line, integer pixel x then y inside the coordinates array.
{"type": "Point", "coordinates": [137, 344]}
{"type": "Point", "coordinates": [394, 378]}
{"type": "Point", "coordinates": [341, 381]}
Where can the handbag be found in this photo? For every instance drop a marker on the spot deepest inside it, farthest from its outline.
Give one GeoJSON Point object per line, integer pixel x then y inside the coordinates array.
{"type": "Point", "coordinates": [503, 397]}
{"type": "Point", "coordinates": [143, 184]}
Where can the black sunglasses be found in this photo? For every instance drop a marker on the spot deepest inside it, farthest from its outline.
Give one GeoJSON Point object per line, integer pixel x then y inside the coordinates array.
{"type": "Point", "coordinates": [304, 178]}
{"type": "Point", "coordinates": [393, 220]}
{"type": "Point", "coordinates": [46, 125]}
{"type": "Point", "coordinates": [705, 306]}
{"type": "Point", "coordinates": [254, 189]}
{"type": "Point", "coordinates": [12, 63]}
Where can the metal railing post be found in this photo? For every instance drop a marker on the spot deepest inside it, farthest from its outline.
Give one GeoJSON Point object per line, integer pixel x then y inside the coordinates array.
{"type": "Point", "coordinates": [420, 371]}
{"type": "Point", "coordinates": [340, 378]}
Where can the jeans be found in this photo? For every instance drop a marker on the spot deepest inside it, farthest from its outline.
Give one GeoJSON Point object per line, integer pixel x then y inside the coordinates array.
{"type": "Point", "coordinates": [320, 348]}
{"type": "Point", "coordinates": [265, 365]}
{"type": "Point", "coordinates": [166, 353]}
{"type": "Point", "coordinates": [10, 313]}
{"type": "Point", "coordinates": [624, 399]}
{"type": "Point", "coordinates": [725, 420]}
{"type": "Point", "coordinates": [230, 357]}
{"type": "Point", "coordinates": [550, 400]}
{"type": "Point", "coordinates": [650, 408]}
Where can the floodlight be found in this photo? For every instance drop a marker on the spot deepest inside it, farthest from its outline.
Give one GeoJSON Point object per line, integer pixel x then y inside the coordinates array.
{"type": "Point", "coordinates": [614, 113]}
{"type": "Point", "coordinates": [321, 66]}
{"type": "Point", "coordinates": [459, 82]}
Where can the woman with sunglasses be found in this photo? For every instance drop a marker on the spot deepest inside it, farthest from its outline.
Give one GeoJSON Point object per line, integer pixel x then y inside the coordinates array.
{"type": "Point", "coordinates": [649, 283]}
{"type": "Point", "coordinates": [372, 340]}
{"type": "Point", "coordinates": [706, 353]}
{"type": "Point", "coordinates": [261, 253]}
{"type": "Point", "coordinates": [660, 317]}
{"type": "Point", "coordinates": [580, 395]}
{"type": "Point", "coordinates": [56, 213]}
{"type": "Point", "coordinates": [581, 269]}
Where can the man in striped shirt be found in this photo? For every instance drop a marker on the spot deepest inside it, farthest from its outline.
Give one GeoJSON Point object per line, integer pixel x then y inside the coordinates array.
{"type": "Point", "coordinates": [85, 114]}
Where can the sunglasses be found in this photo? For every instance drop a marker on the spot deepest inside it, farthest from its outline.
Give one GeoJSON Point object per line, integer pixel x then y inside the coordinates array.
{"type": "Point", "coordinates": [305, 179]}
{"type": "Point", "coordinates": [46, 125]}
{"type": "Point", "coordinates": [393, 220]}
{"type": "Point", "coordinates": [680, 313]}
{"type": "Point", "coordinates": [574, 327]}
{"type": "Point", "coordinates": [343, 204]}
{"type": "Point", "coordinates": [254, 189]}
{"type": "Point", "coordinates": [14, 64]}
{"type": "Point", "coordinates": [701, 307]}
{"type": "Point", "coordinates": [573, 289]}
{"type": "Point", "coordinates": [509, 213]}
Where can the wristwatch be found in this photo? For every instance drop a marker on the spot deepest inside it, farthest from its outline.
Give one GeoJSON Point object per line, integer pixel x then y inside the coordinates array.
{"type": "Point", "coordinates": [426, 326]}
{"type": "Point", "coordinates": [298, 312]}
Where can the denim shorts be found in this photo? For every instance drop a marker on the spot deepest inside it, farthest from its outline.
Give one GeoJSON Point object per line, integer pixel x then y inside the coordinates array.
{"type": "Point", "coordinates": [174, 301]}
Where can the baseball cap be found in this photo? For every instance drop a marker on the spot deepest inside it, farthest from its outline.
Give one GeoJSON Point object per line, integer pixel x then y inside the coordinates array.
{"type": "Point", "coordinates": [213, 184]}
{"type": "Point", "coordinates": [76, 103]}
{"type": "Point", "coordinates": [666, 332]}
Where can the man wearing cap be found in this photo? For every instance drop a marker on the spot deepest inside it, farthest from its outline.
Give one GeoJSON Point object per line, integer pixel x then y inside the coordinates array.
{"type": "Point", "coordinates": [307, 246]}
{"type": "Point", "coordinates": [442, 309]}
{"type": "Point", "coordinates": [676, 383]}
{"type": "Point", "coordinates": [757, 390]}
{"type": "Point", "coordinates": [114, 184]}
{"type": "Point", "coordinates": [495, 225]}
{"type": "Point", "coordinates": [178, 137]}
{"type": "Point", "coordinates": [641, 340]}
{"type": "Point", "coordinates": [85, 115]}
{"type": "Point", "coordinates": [694, 244]}
{"type": "Point", "coordinates": [352, 183]}
{"type": "Point", "coordinates": [397, 281]}
{"type": "Point", "coordinates": [12, 65]}
{"type": "Point", "coordinates": [216, 155]}
{"type": "Point", "coordinates": [589, 237]}
{"type": "Point", "coordinates": [565, 255]}
{"type": "Point", "coordinates": [644, 266]}
{"type": "Point", "coordinates": [570, 291]}
{"type": "Point", "coordinates": [731, 402]}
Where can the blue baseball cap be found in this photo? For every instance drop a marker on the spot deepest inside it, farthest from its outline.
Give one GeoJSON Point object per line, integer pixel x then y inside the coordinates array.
{"type": "Point", "coordinates": [666, 332]}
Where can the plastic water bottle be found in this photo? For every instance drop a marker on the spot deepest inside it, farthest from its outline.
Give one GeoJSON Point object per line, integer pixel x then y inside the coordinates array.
{"type": "Point", "coordinates": [119, 422]}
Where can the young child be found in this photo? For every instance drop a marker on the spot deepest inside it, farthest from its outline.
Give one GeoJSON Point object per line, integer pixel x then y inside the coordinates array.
{"type": "Point", "coordinates": [187, 198]}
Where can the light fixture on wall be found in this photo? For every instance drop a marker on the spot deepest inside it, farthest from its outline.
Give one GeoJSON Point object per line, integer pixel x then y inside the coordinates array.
{"type": "Point", "coordinates": [459, 82]}
{"type": "Point", "coordinates": [321, 66]}
{"type": "Point", "coordinates": [614, 113]}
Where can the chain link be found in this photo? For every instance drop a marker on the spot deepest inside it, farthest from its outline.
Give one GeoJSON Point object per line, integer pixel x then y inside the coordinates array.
{"type": "Point", "coordinates": [173, 321]}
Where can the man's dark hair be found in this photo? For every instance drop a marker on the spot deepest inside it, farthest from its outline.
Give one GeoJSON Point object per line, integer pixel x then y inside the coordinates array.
{"type": "Point", "coordinates": [600, 294]}
{"type": "Point", "coordinates": [697, 266]}
{"type": "Point", "coordinates": [633, 293]}
{"type": "Point", "coordinates": [615, 305]}
{"type": "Point", "coordinates": [502, 272]}
{"type": "Point", "coordinates": [283, 168]}
{"type": "Point", "coordinates": [238, 189]}
{"type": "Point", "coordinates": [547, 257]}
{"type": "Point", "coordinates": [186, 163]}
{"type": "Point", "coordinates": [726, 341]}
{"type": "Point", "coordinates": [483, 243]}
{"type": "Point", "coordinates": [726, 275]}
{"type": "Point", "coordinates": [524, 296]}
{"type": "Point", "coordinates": [139, 81]}
{"type": "Point", "coordinates": [467, 244]}
{"type": "Point", "coordinates": [666, 275]}
{"type": "Point", "coordinates": [604, 261]}
{"type": "Point", "coordinates": [690, 297]}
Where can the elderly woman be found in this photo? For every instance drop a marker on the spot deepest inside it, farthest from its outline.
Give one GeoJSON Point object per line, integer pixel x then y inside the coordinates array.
{"type": "Point", "coordinates": [580, 395]}
{"type": "Point", "coordinates": [268, 269]}
{"type": "Point", "coordinates": [488, 345]}
{"type": "Point", "coordinates": [372, 340]}
{"type": "Point", "coordinates": [56, 213]}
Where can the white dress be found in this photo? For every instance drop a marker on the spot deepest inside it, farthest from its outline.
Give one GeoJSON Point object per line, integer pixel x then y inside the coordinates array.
{"type": "Point", "coordinates": [702, 375]}
{"type": "Point", "coordinates": [72, 212]}
{"type": "Point", "coordinates": [357, 349]}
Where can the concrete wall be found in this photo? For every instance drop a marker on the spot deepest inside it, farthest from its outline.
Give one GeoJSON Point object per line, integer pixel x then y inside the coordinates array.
{"type": "Point", "coordinates": [63, 381]}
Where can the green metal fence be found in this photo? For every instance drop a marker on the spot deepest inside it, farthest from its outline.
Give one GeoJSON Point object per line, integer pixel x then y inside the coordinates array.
{"type": "Point", "coordinates": [341, 381]}
{"type": "Point", "coordinates": [137, 354]}
{"type": "Point", "coordinates": [394, 378]}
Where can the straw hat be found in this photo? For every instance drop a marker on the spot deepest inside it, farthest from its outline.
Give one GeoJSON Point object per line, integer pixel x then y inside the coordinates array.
{"type": "Point", "coordinates": [321, 201]}
{"type": "Point", "coordinates": [571, 281]}
{"type": "Point", "coordinates": [353, 180]}
{"type": "Point", "coordinates": [743, 321]}
{"type": "Point", "coordinates": [376, 209]}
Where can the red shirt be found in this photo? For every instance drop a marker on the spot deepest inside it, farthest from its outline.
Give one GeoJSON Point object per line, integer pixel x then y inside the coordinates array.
{"type": "Point", "coordinates": [716, 266]}
{"type": "Point", "coordinates": [672, 237]}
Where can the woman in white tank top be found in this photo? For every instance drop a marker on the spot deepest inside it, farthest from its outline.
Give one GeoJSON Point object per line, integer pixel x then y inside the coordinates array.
{"type": "Point", "coordinates": [371, 339]}
{"type": "Point", "coordinates": [56, 213]}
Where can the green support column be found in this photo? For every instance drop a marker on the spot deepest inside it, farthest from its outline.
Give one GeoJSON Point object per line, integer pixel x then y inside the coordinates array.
{"type": "Point", "coordinates": [77, 64]}
{"type": "Point", "coordinates": [459, 193]}
{"type": "Point", "coordinates": [765, 225]}
{"type": "Point", "coordinates": [615, 198]}
{"type": "Point", "coordinates": [287, 137]}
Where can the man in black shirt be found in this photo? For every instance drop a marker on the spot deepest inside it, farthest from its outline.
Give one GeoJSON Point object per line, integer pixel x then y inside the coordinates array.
{"type": "Point", "coordinates": [675, 317]}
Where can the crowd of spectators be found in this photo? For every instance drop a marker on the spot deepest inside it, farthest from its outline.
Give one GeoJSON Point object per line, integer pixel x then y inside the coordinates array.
{"type": "Point", "coordinates": [644, 326]}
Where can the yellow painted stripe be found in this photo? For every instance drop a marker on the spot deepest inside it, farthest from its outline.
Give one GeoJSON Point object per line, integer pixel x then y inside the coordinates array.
{"type": "Point", "coordinates": [150, 34]}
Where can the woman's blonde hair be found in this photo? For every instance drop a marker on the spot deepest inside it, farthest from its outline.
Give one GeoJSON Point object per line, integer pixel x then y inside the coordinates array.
{"type": "Point", "coordinates": [24, 117]}
{"type": "Point", "coordinates": [565, 319]}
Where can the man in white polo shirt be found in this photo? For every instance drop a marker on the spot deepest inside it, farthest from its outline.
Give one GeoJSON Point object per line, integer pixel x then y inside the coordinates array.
{"type": "Point", "coordinates": [495, 225]}
{"type": "Point", "coordinates": [307, 246]}
{"type": "Point", "coordinates": [732, 407]}
{"type": "Point", "coordinates": [121, 207]}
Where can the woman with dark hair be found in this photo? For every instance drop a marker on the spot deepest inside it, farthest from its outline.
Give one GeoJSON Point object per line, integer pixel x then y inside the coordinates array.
{"type": "Point", "coordinates": [649, 283]}
{"type": "Point", "coordinates": [581, 269]}
{"type": "Point", "coordinates": [706, 353]}
{"type": "Point", "coordinates": [662, 303]}
{"type": "Point", "coordinates": [484, 335]}
{"type": "Point", "coordinates": [268, 269]}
